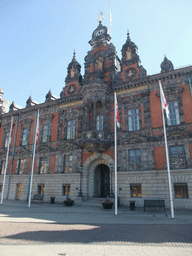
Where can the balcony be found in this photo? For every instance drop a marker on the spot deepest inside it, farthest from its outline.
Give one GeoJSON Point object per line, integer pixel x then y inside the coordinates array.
{"type": "Point", "coordinates": [97, 141]}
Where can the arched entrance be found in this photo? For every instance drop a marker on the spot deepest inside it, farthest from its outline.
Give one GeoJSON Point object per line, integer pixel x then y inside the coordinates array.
{"type": "Point", "coordinates": [102, 181]}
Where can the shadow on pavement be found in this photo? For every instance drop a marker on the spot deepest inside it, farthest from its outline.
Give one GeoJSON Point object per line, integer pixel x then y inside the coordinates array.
{"type": "Point", "coordinates": [45, 233]}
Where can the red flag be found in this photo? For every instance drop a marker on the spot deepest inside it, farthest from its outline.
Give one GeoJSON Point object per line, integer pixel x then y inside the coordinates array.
{"type": "Point", "coordinates": [37, 126]}
{"type": "Point", "coordinates": [163, 100]}
{"type": "Point", "coordinates": [117, 112]}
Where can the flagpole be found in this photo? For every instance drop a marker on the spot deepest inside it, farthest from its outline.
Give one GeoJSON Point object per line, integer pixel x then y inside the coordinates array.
{"type": "Point", "coordinates": [2, 194]}
{"type": "Point", "coordinates": [13, 152]}
{"type": "Point", "coordinates": [31, 181]}
{"type": "Point", "coordinates": [115, 123]}
{"type": "Point", "coordinates": [110, 19]}
{"type": "Point", "coordinates": [167, 156]}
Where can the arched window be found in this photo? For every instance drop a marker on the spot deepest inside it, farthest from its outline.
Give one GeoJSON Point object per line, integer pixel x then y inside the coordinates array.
{"type": "Point", "coordinates": [99, 116]}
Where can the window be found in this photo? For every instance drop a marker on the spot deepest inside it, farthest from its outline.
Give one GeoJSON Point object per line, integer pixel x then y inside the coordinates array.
{"type": "Point", "coordinates": [100, 122]}
{"type": "Point", "coordinates": [66, 190]}
{"type": "Point", "coordinates": [3, 167]}
{"type": "Point", "coordinates": [43, 166]}
{"type": "Point", "coordinates": [6, 139]}
{"type": "Point", "coordinates": [173, 114]}
{"type": "Point", "coordinates": [68, 164]}
{"type": "Point", "coordinates": [136, 190]}
{"type": "Point", "coordinates": [25, 137]}
{"type": "Point", "coordinates": [177, 157]}
{"type": "Point", "coordinates": [1, 187]}
{"type": "Point", "coordinates": [181, 190]}
{"type": "Point", "coordinates": [21, 166]}
{"type": "Point", "coordinates": [134, 159]}
{"type": "Point", "coordinates": [70, 130]}
{"type": "Point", "coordinates": [41, 189]}
{"type": "Point", "coordinates": [46, 133]}
{"type": "Point", "coordinates": [133, 119]}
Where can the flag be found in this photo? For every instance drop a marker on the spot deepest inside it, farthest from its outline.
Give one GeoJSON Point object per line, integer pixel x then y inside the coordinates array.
{"type": "Point", "coordinates": [163, 101]}
{"type": "Point", "coordinates": [11, 129]}
{"type": "Point", "coordinates": [117, 112]}
{"type": "Point", "coordinates": [37, 127]}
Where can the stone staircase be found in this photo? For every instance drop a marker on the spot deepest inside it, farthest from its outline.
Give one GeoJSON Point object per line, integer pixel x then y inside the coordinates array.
{"type": "Point", "coordinates": [93, 201]}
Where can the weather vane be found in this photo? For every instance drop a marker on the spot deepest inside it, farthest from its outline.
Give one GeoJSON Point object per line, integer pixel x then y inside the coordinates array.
{"type": "Point", "coordinates": [101, 17]}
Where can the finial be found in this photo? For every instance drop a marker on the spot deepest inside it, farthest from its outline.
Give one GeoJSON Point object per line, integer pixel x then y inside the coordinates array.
{"type": "Point", "coordinates": [128, 37]}
{"type": "Point", "coordinates": [74, 57]}
{"type": "Point", "coordinates": [101, 17]}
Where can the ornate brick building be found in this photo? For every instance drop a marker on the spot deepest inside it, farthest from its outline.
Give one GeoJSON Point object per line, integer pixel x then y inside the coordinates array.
{"type": "Point", "coordinates": [76, 143]}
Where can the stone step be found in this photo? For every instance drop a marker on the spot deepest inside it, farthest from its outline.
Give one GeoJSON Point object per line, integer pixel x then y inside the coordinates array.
{"type": "Point", "coordinates": [94, 201]}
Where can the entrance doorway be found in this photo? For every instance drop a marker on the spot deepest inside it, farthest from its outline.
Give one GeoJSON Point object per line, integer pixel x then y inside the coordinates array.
{"type": "Point", "coordinates": [102, 181]}
{"type": "Point", "coordinates": [18, 192]}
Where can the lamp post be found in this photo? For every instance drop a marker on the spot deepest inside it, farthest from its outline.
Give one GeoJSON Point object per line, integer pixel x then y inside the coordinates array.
{"type": "Point", "coordinates": [80, 194]}
{"type": "Point", "coordinates": [111, 195]}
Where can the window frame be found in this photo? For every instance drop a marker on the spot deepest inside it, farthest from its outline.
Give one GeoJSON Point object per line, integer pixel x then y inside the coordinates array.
{"type": "Point", "coordinates": [181, 185]}
{"type": "Point", "coordinates": [71, 125]}
{"type": "Point", "coordinates": [135, 157]}
{"type": "Point", "coordinates": [137, 186]}
{"type": "Point", "coordinates": [171, 157]}
{"type": "Point", "coordinates": [25, 137]}
{"type": "Point", "coordinates": [66, 190]}
{"type": "Point", "coordinates": [45, 168]}
{"type": "Point", "coordinates": [22, 164]}
{"type": "Point", "coordinates": [41, 188]}
{"type": "Point", "coordinates": [6, 140]}
{"type": "Point", "coordinates": [99, 122]}
{"type": "Point", "coordinates": [174, 116]}
{"type": "Point", "coordinates": [67, 164]}
{"type": "Point", "coordinates": [46, 131]}
{"type": "Point", "coordinates": [3, 165]}
{"type": "Point", "coordinates": [133, 125]}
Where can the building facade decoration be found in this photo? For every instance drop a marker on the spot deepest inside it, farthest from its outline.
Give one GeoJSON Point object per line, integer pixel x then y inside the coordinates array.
{"type": "Point", "coordinates": [77, 131]}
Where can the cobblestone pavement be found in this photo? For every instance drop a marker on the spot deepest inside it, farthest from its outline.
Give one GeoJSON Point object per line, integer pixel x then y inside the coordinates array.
{"type": "Point", "coordinates": [46, 229]}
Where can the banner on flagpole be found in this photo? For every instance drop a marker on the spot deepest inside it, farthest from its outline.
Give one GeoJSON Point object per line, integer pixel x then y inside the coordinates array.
{"type": "Point", "coordinates": [116, 112]}
{"type": "Point", "coordinates": [163, 100]}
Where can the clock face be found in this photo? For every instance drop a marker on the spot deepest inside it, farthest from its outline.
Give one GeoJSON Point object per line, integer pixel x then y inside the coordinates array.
{"type": "Point", "coordinates": [99, 32]}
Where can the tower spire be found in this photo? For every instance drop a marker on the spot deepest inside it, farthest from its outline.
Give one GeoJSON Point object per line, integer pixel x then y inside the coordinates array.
{"type": "Point", "coordinates": [74, 55]}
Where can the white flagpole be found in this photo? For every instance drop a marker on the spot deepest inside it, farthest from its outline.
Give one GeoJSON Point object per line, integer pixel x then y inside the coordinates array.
{"type": "Point", "coordinates": [167, 155]}
{"type": "Point", "coordinates": [31, 182]}
{"type": "Point", "coordinates": [6, 164]}
{"type": "Point", "coordinates": [115, 123]}
{"type": "Point", "coordinates": [110, 19]}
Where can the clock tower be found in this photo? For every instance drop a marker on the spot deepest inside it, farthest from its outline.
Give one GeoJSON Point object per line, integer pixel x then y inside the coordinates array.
{"type": "Point", "coordinates": [101, 61]}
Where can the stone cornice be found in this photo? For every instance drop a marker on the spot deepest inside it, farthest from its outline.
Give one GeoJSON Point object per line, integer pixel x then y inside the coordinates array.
{"type": "Point", "coordinates": [140, 83]}
{"type": "Point", "coordinates": [153, 79]}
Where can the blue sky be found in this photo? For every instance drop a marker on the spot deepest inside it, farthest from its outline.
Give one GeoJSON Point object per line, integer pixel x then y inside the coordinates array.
{"type": "Point", "coordinates": [38, 38]}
